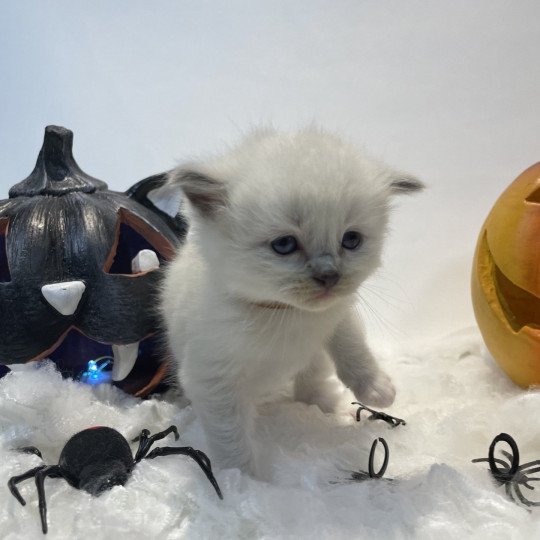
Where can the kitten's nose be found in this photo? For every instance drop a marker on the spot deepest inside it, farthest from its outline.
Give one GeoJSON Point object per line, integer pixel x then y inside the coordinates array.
{"type": "Point", "coordinates": [327, 279]}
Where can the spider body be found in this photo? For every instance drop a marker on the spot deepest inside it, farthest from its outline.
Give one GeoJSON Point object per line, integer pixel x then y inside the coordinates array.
{"type": "Point", "coordinates": [98, 458]}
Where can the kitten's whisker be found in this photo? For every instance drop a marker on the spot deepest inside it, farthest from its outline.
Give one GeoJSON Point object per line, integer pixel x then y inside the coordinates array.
{"type": "Point", "coordinates": [391, 301]}
{"type": "Point", "coordinates": [383, 323]}
{"type": "Point", "coordinates": [386, 276]}
{"type": "Point", "coordinates": [271, 343]}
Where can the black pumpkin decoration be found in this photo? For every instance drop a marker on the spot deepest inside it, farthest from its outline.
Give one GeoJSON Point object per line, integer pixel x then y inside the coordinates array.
{"type": "Point", "coordinates": [79, 269]}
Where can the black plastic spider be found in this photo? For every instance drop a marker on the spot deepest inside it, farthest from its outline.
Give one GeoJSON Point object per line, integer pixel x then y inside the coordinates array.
{"type": "Point", "coordinates": [98, 458]}
{"type": "Point", "coordinates": [378, 415]}
{"type": "Point", "coordinates": [511, 473]}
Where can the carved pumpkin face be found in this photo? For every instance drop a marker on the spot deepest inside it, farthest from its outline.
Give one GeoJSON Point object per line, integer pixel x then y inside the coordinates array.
{"type": "Point", "coordinates": [506, 279]}
{"type": "Point", "coordinates": [79, 270]}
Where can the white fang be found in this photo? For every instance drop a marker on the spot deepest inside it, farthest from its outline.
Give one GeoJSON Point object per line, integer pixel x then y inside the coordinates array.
{"type": "Point", "coordinates": [144, 261]}
{"type": "Point", "coordinates": [64, 296]}
{"type": "Point", "coordinates": [124, 360]}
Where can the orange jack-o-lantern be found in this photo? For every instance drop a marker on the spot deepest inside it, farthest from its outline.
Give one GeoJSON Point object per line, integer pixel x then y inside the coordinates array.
{"type": "Point", "coordinates": [506, 279]}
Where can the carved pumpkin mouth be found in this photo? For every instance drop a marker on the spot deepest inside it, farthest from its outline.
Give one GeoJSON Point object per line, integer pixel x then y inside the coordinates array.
{"type": "Point", "coordinates": [75, 350]}
{"type": "Point", "coordinates": [520, 307]}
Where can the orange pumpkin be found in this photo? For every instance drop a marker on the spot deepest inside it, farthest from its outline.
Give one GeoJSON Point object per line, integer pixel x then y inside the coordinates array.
{"type": "Point", "coordinates": [506, 279]}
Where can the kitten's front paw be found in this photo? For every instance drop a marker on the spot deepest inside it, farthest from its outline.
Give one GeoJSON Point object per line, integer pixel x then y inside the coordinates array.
{"type": "Point", "coordinates": [379, 392]}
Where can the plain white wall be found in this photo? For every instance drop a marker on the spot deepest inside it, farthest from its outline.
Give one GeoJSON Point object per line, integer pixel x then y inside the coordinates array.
{"type": "Point", "coordinates": [446, 90]}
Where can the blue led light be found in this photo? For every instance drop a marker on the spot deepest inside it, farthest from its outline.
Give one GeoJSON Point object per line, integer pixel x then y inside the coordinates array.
{"type": "Point", "coordinates": [95, 373]}
{"type": "Point", "coordinates": [93, 369]}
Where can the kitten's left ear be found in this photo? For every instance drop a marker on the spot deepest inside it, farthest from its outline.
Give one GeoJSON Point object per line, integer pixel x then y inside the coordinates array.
{"type": "Point", "coordinates": [404, 184]}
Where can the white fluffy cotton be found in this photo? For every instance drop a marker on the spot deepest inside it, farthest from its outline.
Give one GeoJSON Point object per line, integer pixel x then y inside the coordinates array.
{"type": "Point", "coordinates": [454, 398]}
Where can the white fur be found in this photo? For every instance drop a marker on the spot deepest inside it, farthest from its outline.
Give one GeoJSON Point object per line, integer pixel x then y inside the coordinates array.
{"type": "Point", "coordinates": [453, 396]}
{"type": "Point", "coordinates": [223, 295]}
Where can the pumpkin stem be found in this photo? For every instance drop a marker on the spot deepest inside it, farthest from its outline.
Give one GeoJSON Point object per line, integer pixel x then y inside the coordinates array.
{"type": "Point", "coordinates": [56, 171]}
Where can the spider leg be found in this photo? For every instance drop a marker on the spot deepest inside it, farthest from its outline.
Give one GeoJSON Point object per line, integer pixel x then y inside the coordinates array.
{"type": "Point", "coordinates": [144, 435]}
{"type": "Point", "coordinates": [14, 480]}
{"type": "Point", "coordinates": [507, 455]}
{"type": "Point", "coordinates": [360, 409]}
{"type": "Point", "coordinates": [204, 458]}
{"type": "Point", "coordinates": [520, 496]}
{"type": "Point", "coordinates": [528, 473]}
{"type": "Point", "coordinates": [535, 464]}
{"type": "Point", "coordinates": [524, 472]}
{"type": "Point", "coordinates": [496, 460]}
{"type": "Point", "coordinates": [503, 463]}
{"type": "Point", "coordinates": [508, 490]}
{"type": "Point", "coordinates": [526, 481]}
{"type": "Point", "coordinates": [146, 441]}
{"type": "Point", "coordinates": [392, 420]}
{"type": "Point", "coordinates": [200, 457]}
{"type": "Point", "coordinates": [53, 471]}
{"type": "Point", "coordinates": [30, 450]}
{"type": "Point", "coordinates": [143, 445]}
{"type": "Point", "coordinates": [378, 415]}
{"type": "Point", "coordinates": [523, 476]}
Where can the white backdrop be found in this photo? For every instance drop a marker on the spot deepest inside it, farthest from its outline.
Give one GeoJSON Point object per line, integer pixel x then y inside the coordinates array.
{"type": "Point", "coordinates": [446, 90]}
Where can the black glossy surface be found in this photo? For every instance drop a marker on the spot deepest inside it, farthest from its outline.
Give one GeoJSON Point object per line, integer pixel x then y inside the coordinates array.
{"type": "Point", "coordinates": [63, 225]}
{"type": "Point", "coordinates": [56, 171]}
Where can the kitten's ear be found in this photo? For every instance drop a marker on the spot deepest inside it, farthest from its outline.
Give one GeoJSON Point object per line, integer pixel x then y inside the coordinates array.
{"type": "Point", "coordinates": [162, 198]}
{"type": "Point", "coordinates": [404, 184]}
{"type": "Point", "coordinates": [206, 193]}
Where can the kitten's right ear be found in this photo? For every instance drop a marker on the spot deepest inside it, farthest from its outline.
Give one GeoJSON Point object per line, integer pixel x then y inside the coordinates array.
{"type": "Point", "coordinates": [206, 193]}
{"type": "Point", "coordinates": [404, 184]}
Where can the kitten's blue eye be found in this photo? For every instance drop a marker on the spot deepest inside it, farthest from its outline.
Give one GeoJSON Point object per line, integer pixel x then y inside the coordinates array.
{"type": "Point", "coordinates": [284, 245]}
{"type": "Point", "coordinates": [352, 240]}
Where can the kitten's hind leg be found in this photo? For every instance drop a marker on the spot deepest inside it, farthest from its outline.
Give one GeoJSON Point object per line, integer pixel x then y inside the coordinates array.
{"type": "Point", "coordinates": [317, 384]}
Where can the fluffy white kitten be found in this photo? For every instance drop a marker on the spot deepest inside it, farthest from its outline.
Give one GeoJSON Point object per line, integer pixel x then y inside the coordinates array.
{"type": "Point", "coordinates": [284, 229]}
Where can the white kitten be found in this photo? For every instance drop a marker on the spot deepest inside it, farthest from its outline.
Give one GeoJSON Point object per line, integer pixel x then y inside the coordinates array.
{"type": "Point", "coordinates": [284, 229]}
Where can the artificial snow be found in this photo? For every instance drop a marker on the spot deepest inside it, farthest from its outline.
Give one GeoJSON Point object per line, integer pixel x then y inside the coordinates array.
{"type": "Point", "coordinates": [453, 396]}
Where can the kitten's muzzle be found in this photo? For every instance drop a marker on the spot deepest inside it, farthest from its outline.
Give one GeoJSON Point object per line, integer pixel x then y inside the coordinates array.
{"type": "Point", "coordinates": [327, 279]}
{"type": "Point", "coordinates": [324, 271]}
